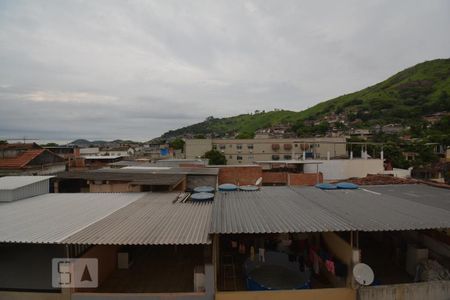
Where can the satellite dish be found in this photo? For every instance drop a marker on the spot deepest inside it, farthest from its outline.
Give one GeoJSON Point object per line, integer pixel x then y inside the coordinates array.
{"type": "Point", "coordinates": [258, 182]}
{"type": "Point", "coordinates": [363, 274]}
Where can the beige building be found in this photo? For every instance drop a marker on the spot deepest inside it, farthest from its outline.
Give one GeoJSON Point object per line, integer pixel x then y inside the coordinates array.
{"type": "Point", "coordinates": [244, 151]}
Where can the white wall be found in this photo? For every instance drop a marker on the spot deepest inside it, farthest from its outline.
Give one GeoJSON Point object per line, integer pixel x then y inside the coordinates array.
{"type": "Point", "coordinates": [346, 168]}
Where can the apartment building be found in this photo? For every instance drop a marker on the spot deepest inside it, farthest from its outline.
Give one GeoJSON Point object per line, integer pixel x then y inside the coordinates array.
{"type": "Point", "coordinates": [245, 151]}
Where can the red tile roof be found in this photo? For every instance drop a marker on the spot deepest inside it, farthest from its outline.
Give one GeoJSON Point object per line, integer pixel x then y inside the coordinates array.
{"type": "Point", "coordinates": [21, 160]}
{"type": "Point", "coordinates": [20, 146]}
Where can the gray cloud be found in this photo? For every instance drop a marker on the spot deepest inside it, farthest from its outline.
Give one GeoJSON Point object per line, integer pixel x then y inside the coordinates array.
{"type": "Point", "coordinates": [115, 69]}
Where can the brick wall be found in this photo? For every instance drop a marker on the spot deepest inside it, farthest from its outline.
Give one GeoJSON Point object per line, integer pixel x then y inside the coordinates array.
{"type": "Point", "coordinates": [241, 175]}
{"type": "Point", "coordinates": [278, 178]}
{"type": "Point", "coordinates": [283, 178]}
{"type": "Point", "coordinates": [304, 178]}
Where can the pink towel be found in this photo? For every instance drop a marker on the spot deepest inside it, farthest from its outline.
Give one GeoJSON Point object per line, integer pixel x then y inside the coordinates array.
{"type": "Point", "coordinates": [329, 264]}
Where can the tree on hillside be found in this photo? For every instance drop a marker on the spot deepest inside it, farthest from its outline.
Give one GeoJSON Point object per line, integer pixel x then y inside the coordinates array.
{"type": "Point", "coordinates": [177, 144]}
{"type": "Point", "coordinates": [215, 157]}
{"type": "Point", "coordinates": [245, 135]}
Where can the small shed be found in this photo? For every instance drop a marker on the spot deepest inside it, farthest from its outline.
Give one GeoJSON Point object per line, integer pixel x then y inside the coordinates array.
{"type": "Point", "coordinates": [19, 187]}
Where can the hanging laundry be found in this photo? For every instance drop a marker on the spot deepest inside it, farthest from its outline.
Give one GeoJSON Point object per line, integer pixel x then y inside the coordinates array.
{"type": "Point", "coordinates": [329, 264]}
{"type": "Point", "coordinates": [252, 253]}
{"type": "Point", "coordinates": [261, 254]}
{"type": "Point", "coordinates": [315, 262]}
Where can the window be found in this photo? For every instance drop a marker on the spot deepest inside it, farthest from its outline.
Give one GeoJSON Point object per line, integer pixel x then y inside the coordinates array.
{"type": "Point", "coordinates": [215, 147]}
{"type": "Point", "coordinates": [239, 157]}
{"type": "Point", "coordinates": [239, 146]}
{"type": "Point", "coordinates": [222, 147]}
{"type": "Point", "coordinates": [287, 156]}
{"type": "Point", "coordinates": [231, 156]}
{"type": "Point", "coordinates": [275, 157]}
{"type": "Point", "coordinates": [295, 145]}
{"type": "Point", "coordinates": [250, 146]}
{"type": "Point", "coordinates": [287, 146]}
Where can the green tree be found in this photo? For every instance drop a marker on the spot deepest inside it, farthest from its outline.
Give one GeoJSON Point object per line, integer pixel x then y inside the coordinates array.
{"type": "Point", "coordinates": [215, 157]}
{"type": "Point", "coordinates": [245, 135]}
{"type": "Point", "coordinates": [177, 144]}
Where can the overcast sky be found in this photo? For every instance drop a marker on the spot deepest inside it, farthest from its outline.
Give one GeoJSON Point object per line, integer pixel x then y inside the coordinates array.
{"type": "Point", "coordinates": [135, 69]}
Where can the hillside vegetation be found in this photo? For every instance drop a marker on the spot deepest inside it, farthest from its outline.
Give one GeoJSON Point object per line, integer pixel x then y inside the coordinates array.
{"type": "Point", "coordinates": [403, 99]}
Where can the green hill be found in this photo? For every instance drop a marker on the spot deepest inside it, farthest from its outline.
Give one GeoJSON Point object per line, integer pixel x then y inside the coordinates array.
{"type": "Point", "coordinates": [403, 98]}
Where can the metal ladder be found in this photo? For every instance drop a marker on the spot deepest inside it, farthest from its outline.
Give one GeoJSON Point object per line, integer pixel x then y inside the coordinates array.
{"type": "Point", "coordinates": [228, 271]}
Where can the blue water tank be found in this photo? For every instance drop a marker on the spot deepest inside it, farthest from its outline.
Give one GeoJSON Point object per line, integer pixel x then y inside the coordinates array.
{"type": "Point", "coordinates": [347, 186]}
{"type": "Point", "coordinates": [200, 197]}
{"type": "Point", "coordinates": [204, 189]}
{"type": "Point", "coordinates": [326, 186]}
{"type": "Point", "coordinates": [228, 187]}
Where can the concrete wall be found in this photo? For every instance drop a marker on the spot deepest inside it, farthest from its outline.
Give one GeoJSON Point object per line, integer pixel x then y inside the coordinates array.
{"type": "Point", "coordinates": [28, 266]}
{"type": "Point", "coordinates": [31, 296]}
{"type": "Point", "coordinates": [313, 294]}
{"type": "Point", "coordinates": [347, 168]}
{"type": "Point", "coordinates": [435, 290]}
{"type": "Point", "coordinates": [200, 180]}
{"type": "Point", "coordinates": [195, 148]}
{"type": "Point", "coordinates": [113, 187]}
{"type": "Point", "coordinates": [242, 175]}
{"type": "Point", "coordinates": [139, 296]}
{"type": "Point", "coordinates": [107, 260]}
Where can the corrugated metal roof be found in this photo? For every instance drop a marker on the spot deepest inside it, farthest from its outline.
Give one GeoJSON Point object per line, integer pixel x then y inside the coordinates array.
{"type": "Point", "coordinates": [152, 220]}
{"type": "Point", "coordinates": [15, 182]}
{"type": "Point", "coordinates": [306, 209]}
{"type": "Point", "coordinates": [366, 210]}
{"type": "Point", "coordinates": [422, 193]}
{"type": "Point", "coordinates": [170, 170]}
{"type": "Point", "coordinates": [117, 175]}
{"type": "Point", "coordinates": [51, 218]}
{"type": "Point", "coordinates": [271, 210]}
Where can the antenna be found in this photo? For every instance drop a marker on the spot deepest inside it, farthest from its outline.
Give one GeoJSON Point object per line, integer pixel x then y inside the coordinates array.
{"type": "Point", "coordinates": [363, 274]}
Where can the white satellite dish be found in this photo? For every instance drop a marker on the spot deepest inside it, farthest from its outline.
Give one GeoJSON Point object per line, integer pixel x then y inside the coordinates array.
{"type": "Point", "coordinates": [363, 274]}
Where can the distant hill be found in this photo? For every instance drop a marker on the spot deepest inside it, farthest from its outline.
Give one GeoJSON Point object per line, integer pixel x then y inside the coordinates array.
{"type": "Point", "coordinates": [403, 98]}
{"type": "Point", "coordinates": [100, 143]}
